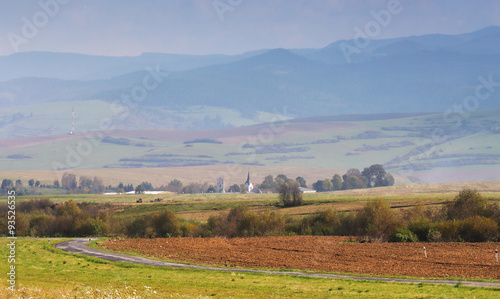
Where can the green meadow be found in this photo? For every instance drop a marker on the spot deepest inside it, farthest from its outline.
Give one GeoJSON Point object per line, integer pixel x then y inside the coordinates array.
{"type": "Point", "coordinates": [45, 272]}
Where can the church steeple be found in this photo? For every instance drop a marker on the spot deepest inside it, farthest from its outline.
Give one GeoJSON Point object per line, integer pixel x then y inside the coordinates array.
{"type": "Point", "coordinates": [249, 184]}
{"type": "Point", "coordinates": [248, 179]}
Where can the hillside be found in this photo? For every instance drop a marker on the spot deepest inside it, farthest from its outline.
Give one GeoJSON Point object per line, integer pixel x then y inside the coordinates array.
{"type": "Point", "coordinates": [428, 74]}
{"type": "Point", "coordinates": [403, 143]}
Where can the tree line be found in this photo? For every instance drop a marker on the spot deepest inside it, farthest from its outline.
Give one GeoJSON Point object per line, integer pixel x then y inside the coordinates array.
{"type": "Point", "coordinates": [370, 177]}
{"type": "Point", "coordinates": [468, 217]}
{"type": "Point", "coordinates": [373, 176]}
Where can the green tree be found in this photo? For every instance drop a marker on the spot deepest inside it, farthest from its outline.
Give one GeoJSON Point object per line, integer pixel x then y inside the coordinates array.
{"type": "Point", "coordinates": [377, 176]}
{"type": "Point", "coordinates": [337, 182]}
{"type": "Point", "coordinates": [139, 189]}
{"type": "Point", "coordinates": [166, 224]}
{"type": "Point", "coordinates": [175, 186]}
{"type": "Point", "coordinates": [268, 183]}
{"type": "Point", "coordinates": [37, 184]}
{"type": "Point", "coordinates": [290, 194]}
{"type": "Point", "coordinates": [97, 185]}
{"type": "Point", "coordinates": [323, 185]}
{"type": "Point", "coordinates": [301, 181]}
{"type": "Point", "coordinates": [468, 203]}
{"type": "Point", "coordinates": [211, 189]}
{"type": "Point", "coordinates": [7, 184]}
{"type": "Point", "coordinates": [85, 184]}
{"type": "Point", "coordinates": [31, 183]}
{"type": "Point", "coordinates": [377, 220]}
{"type": "Point", "coordinates": [353, 182]}
{"type": "Point", "coordinates": [147, 186]}
{"type": "Point", "coordinates": [68, 181]}
{"type": "Point", "coordinates": [56, 183]}
{"type": "Point", "coordinates": [235, 188]}
{"type": "Point", "coordinates": [69, 208]}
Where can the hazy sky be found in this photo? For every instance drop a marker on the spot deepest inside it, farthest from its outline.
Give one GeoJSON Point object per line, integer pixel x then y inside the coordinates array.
{"type": "Point", "coordinates": [125, 27]}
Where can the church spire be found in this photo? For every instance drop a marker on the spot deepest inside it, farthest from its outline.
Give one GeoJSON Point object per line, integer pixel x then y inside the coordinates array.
{"type": "Point", "coordinates": [248, 182]}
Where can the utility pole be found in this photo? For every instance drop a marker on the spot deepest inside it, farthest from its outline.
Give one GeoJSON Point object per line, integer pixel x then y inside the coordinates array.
{"type": "Point", "coordinates": [72, 122]}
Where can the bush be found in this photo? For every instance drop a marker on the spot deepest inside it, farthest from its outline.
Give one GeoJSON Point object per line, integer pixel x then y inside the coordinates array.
{"type": "Point", "coordinates": [137, 228]}
{"type": "Point", "coordinates": [468, 203]}
{"type": "Point", "coordinates": [421, 228]}
{"type": "Point", "coordinates": [290, 194]}
{"type": "Point", "coordinates": [325, 223]}
{"type": "Point", "coordinates": [91, 227]}
{"type": "Point", "coordinates": [376, 220]}
{"type": "Point", "coordinates": [403, 235]}
{"type": "Point", "coordinates": [264, 224]}
{"type": "Point", "coordinates": [449, 230]}
{"type": "Point", "coordinates": [166, 224]}
{"type": "Point", "coordinates": [478, 229]}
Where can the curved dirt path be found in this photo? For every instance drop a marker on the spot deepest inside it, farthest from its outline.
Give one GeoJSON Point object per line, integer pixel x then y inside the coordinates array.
{"type": "Point", "coordinates": [79, 246]}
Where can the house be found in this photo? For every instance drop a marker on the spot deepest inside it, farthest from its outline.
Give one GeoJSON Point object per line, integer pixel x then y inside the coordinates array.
{"type": "Point", "coordinates": [306, 190]}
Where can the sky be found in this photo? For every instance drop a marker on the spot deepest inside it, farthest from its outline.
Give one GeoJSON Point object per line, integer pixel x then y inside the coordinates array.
{"type": "Point", "coordinates": [129, 28]}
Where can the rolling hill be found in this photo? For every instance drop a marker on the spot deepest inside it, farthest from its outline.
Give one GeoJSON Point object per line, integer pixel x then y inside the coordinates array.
{"type": "Point", "coordinates": [402, 142]}
{"type": "Point", "coordinates": [429, 73]}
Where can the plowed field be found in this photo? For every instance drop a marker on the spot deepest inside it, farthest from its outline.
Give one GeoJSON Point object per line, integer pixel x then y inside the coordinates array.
{"type": "Point", "coordinates": [467, 260]}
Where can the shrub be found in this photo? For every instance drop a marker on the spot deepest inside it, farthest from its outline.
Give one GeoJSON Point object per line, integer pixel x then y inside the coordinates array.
{"type": "Point", "coordinates": [421, 228]}
{"type": "Point", "coordinates": [376, 220]}
{"type": "Point", "coordinates": [264, 224]}
{"type": "Point", "coordinates": [166, 224]}
{"type": "Point", "coordinates": [434, 235]}
{"type": "Point", "coordinates": [467, 203]}
{"type": "Point", "coordinates": [449, 230]}
{"type": "Point", "coordinates": [478, 229]}
{"type": "Point", "coordinates": [137, 228]}
{"type": "Point", "coordinates": [290, 194]}
{"type": "Point", "coordinates": [91, 227]}
{"type": "Point", "coordinates": [325, 223]}
{"type": "Point", "coordinates": [403, 235]}
{"type": "Point", "coordinates": [189, 229]}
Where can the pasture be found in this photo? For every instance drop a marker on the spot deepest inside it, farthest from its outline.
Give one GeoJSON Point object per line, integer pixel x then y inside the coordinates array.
{"type": "Point", "coordinates": [45, 272]}
{"type": "Point", "coordinates": [201, 206]}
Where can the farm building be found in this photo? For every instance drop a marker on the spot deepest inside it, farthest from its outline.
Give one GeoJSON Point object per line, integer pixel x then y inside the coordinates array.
{"type": "Point", "coordinates": [306, 190]}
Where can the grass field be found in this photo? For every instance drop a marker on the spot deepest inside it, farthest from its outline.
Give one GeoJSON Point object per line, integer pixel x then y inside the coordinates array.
{"type": "Point", "coordinates": [201, 206]}
{"type": "Point", "coordinates": [45, 272]}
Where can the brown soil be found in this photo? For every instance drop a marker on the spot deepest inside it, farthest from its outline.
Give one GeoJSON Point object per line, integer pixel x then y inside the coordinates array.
{"type": "Point", "coordinates": [467, 260]}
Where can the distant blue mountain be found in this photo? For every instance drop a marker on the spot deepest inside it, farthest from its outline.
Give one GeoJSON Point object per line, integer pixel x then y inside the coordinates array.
{"type": "Point", "coordinates": [69, 66]}
{"type": "Point", "coordinates": [427, 73]}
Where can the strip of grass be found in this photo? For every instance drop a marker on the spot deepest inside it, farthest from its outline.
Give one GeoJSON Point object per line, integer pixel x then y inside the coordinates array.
{"type": "Point", "coordinates": [45, 272]}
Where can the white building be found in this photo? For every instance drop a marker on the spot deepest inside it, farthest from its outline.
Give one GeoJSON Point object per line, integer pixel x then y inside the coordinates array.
{"type": "Point", "coordinates": [249, 184]}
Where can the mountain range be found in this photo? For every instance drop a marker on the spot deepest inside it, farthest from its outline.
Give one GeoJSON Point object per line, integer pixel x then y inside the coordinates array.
{"type": "Point", "coordinates": [429, 73]}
